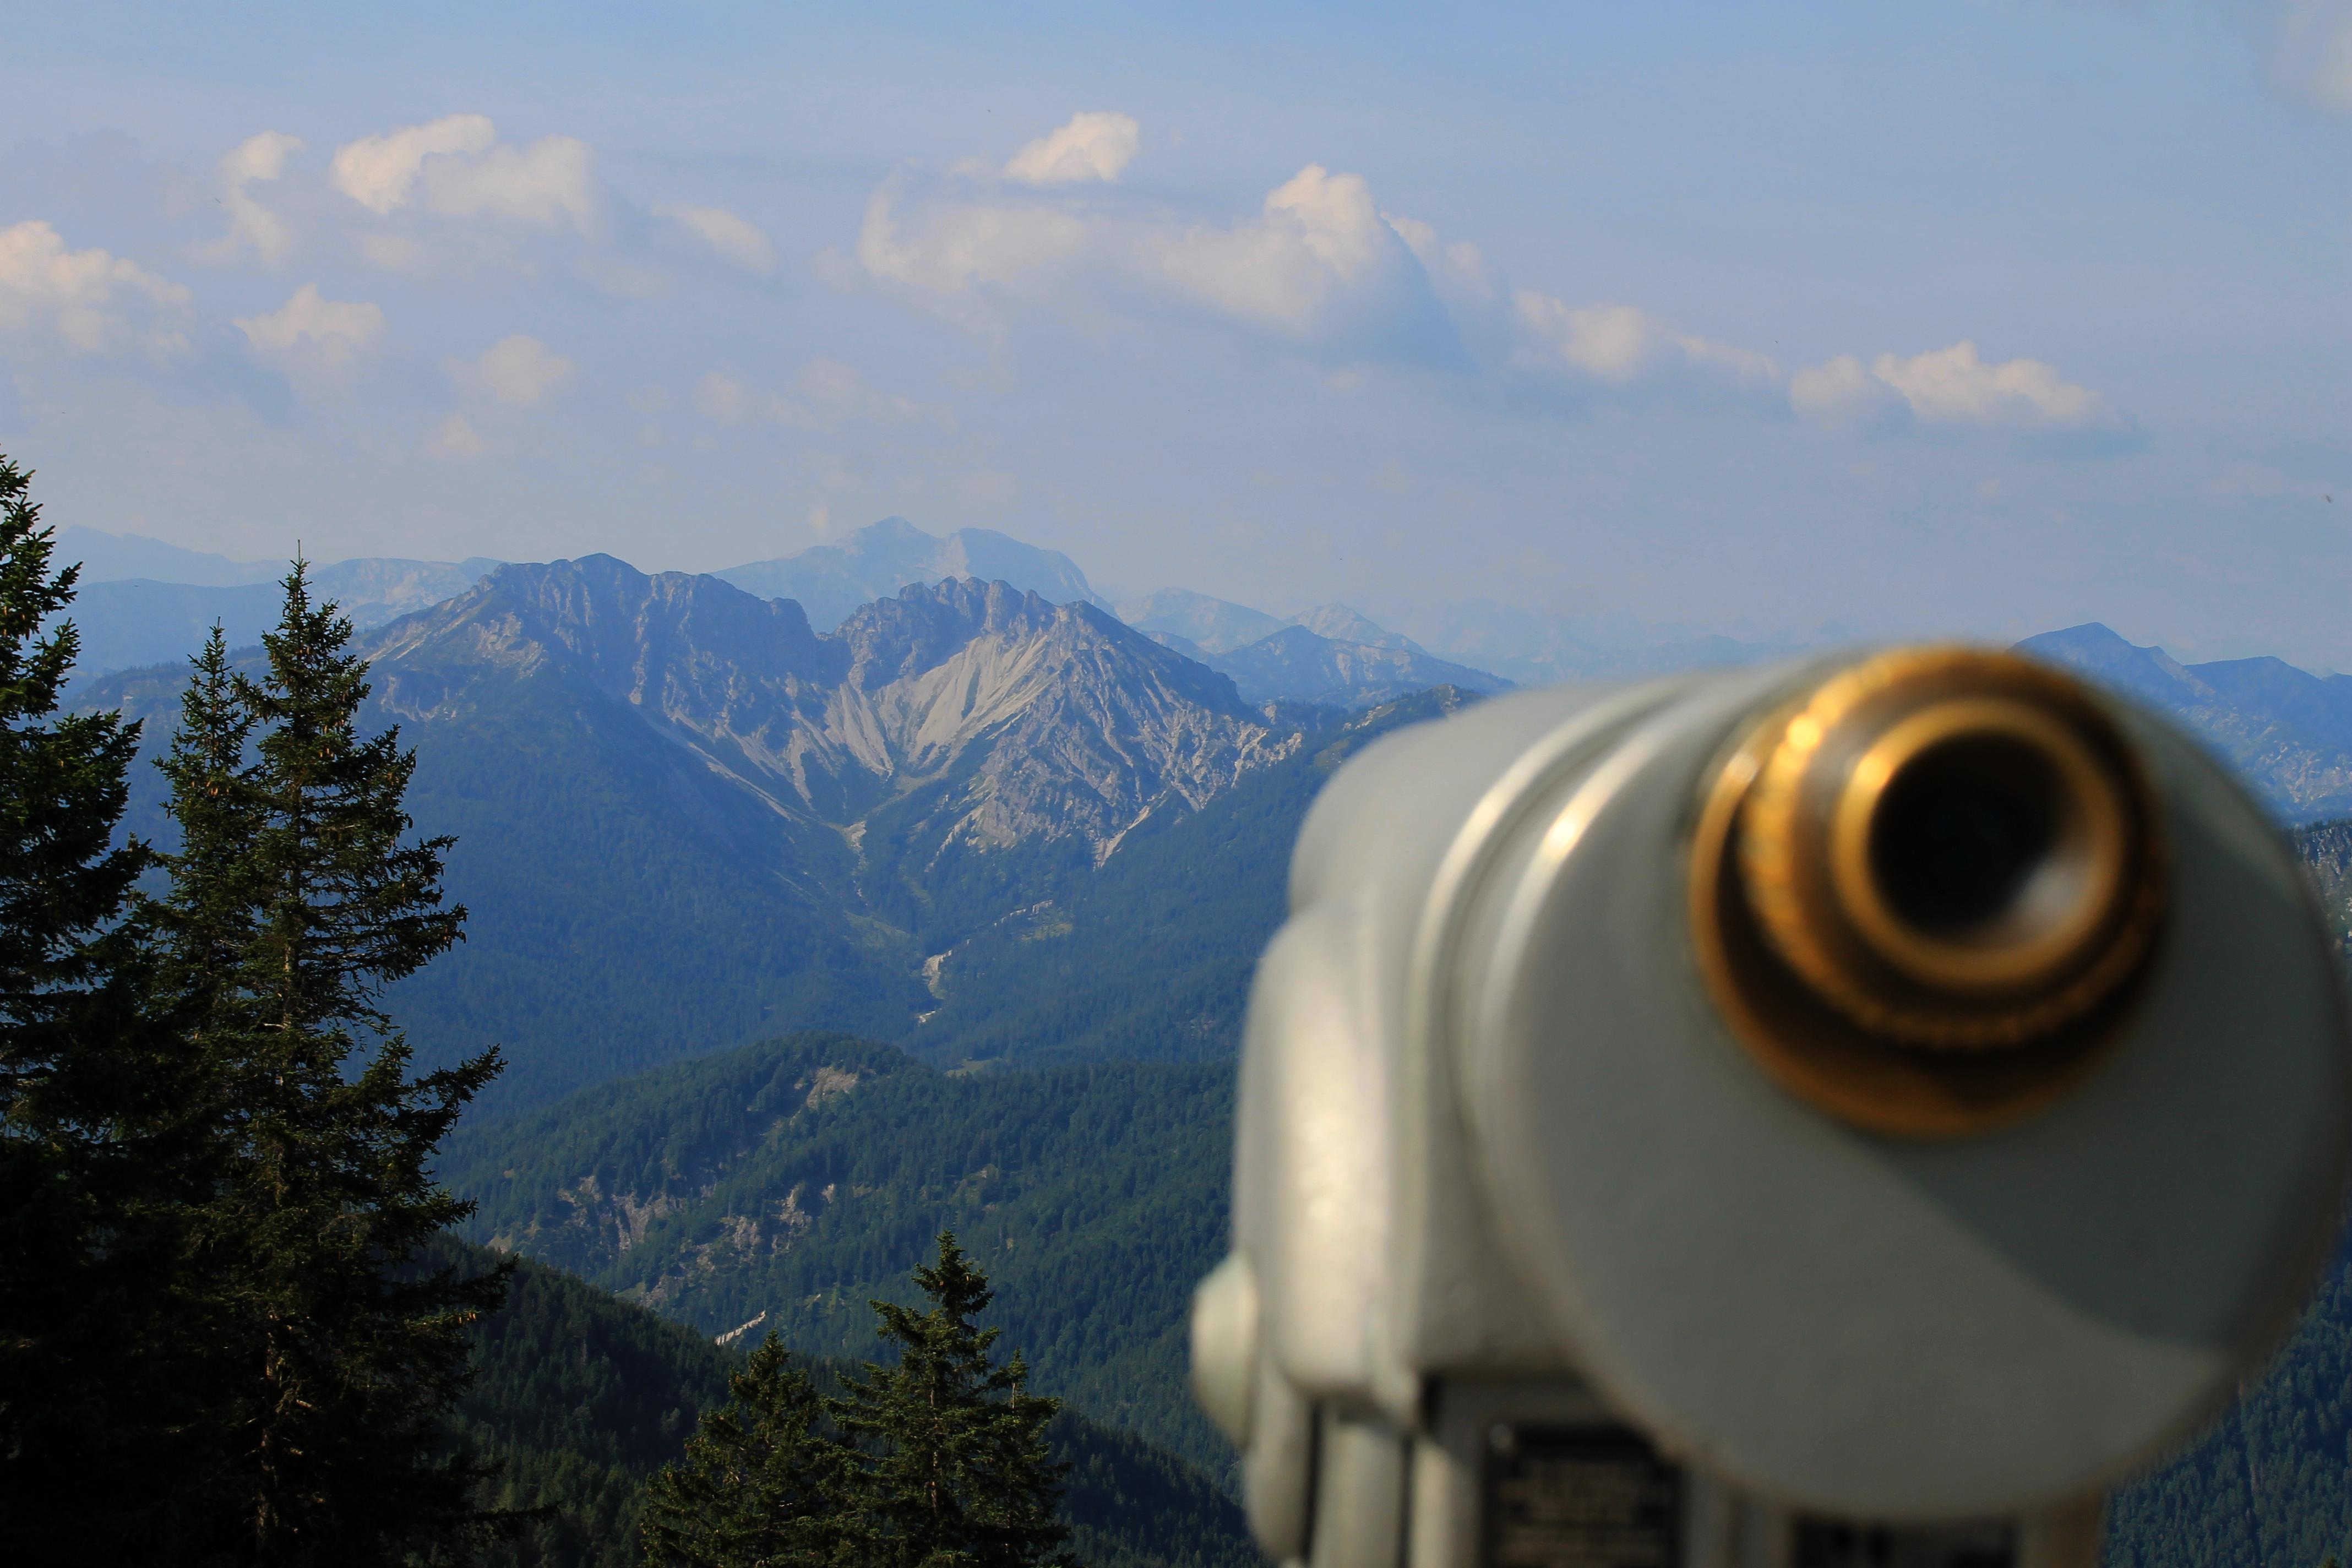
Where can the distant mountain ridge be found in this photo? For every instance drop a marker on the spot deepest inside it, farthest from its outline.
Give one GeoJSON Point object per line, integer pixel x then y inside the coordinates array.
{"type": "Point", "coordinates": [1330, 655]}
{"type": "Point", "coordinates": [1037, 720]}
{"type": "Point", "coordinates": [142, 601]}
{"type": "Point", "coordinates": [831, 581]}
{"type": "Point", "coordinates": [685, 818]}
{"type": "Point", "coordinates": [2288, 733]}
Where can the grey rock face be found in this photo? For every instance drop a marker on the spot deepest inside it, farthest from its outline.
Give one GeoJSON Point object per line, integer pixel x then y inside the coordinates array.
{"type": "Point", "coordinates": [996, 716]}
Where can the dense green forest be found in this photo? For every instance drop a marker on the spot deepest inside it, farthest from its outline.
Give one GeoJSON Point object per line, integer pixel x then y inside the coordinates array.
{"type": "Point", "coordinates": [785, 1183]}
{"type": "Point", "coordinates": [581, 1396]}
{"type": "Point", "coordinates": [2269, 1484]}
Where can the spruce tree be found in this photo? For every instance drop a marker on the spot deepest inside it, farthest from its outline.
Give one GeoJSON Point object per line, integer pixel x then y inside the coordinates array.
{"type": "Point", "coordinates": [762, 1484]}
{"type": "Point", "coordinates": [958, 1469]}
{"type": "Point", "coordinates": [100, 1123]}
{"type": "Point", "coordinates": [297, 896]}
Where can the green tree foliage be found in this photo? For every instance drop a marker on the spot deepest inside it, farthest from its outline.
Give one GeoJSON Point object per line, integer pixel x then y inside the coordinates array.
{"type": "Point", "coordinates": [801, 1177]}
{"type": "Point", "coordinates": [579, 1398]}
{"type": "Point", "coordinates": [2268, 1484]}
{"type": "Point", "coordinates": [941, 1458]}
{"type": "Point", "coordinates": [582, 1397]}
{"type": "Point", "coordinates": [762, 1485]}
{"type": "Point", "coordinates": [959, 1471]}
{"type": "Point", "coordinates": [97, 1151]}
{"type": "Point", "coordinates": [295, 898]}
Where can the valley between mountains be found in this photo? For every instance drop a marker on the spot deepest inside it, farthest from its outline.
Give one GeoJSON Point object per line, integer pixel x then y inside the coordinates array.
{"type": "Point", "coordinates": [807, 937]}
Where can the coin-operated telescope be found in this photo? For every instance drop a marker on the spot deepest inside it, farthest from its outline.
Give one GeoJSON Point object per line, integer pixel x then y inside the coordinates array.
{"type": "Point", "coordinates": [1840, 1114]}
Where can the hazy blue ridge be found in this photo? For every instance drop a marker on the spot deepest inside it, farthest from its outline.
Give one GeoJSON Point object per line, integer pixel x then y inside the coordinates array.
{"type": "Point", "coordinates": [1304, 666]}
{"type": "Point", "coordinates": [2286, 733]}
{"type": "Point", "coordinates": [136, 618]}
{"type": "Point", "coordinates": [832, 581]}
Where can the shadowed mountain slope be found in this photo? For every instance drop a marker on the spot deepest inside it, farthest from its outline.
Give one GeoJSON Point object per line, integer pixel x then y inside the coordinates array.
{"type": "Point", "coordinates": [581, 1396]}
{"type": "Point", "coordinates": [685, 818]}
{"type": "Point", "coordinates": [784, 1184]}
{"type": "Point", "coordinates": [2286, 732]}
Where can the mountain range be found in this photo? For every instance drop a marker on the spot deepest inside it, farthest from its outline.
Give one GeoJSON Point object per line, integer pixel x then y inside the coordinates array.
{"type": "Point", "coordinates": [144, 602]}
{"type": "Point", "coordinates": [686, 818]}
{"type": "Point", "coordinates": [1015, 855]}
{"type": "Point", "coordinates": [831, 581]}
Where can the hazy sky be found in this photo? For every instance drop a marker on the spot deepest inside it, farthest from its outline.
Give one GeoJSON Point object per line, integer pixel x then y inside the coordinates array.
{"type": "Point", "coordinates": [1977, 317]}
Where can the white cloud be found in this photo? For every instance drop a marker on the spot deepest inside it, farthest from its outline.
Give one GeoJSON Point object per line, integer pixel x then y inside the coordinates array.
{"type": "Point", "coordinates": [94, 301]}
{"type": "Point", "coordinates": [1621, 344]}
{"type": "Point", "coordinates": [735, 239]}
{"type": "Point", "coordinates": [454, 439]}
{"type": "Point", "coordinates": [255, 159]}
{"type": "Point", "coordinates": [317, 343]}
{"type": "Point", "coordinates": [542, 183]}
{"type": "Point", "coordinates": [1953, 386]}
{"type": "Point", "coordinates": [1843, 394]}
{"type": "Point", "coordinates": [519, 372]}
{"type": "Point", "coordinates": [1318, 264]}
{"type": "Point", "coordinates": [1317, 240]}
{"type": "Point", "coordinates": [1458, 269]}
{"type": "Point", "coordinates": [461, 169]}
{"type": "Point", "coordinates": [1090, 147]}
{"type": "Point", "coordinates": [380, 173]}
{"type": "Point", "coordinates": [961, 247]}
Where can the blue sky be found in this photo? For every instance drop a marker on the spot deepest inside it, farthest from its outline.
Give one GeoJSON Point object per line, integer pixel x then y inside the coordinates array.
{"type": "Point", "coordinates": [1962, 318]}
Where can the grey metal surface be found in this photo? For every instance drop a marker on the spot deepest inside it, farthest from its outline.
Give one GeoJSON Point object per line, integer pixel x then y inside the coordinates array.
{"type": "Point", "coordinates": [1493, 1135]}
{"type": "Point", "coordinates": [1877, 1327]}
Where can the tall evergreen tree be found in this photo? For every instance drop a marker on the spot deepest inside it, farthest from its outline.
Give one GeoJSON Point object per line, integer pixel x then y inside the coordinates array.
{"type": "Point", "coordinates": [959, 1473]}
{"type": "Point", "coordinates": [295, 898]}
{"type": "Point", "coordinates": [99, 1130]}
{"type": "Point", "coordinates": [762, 1484]}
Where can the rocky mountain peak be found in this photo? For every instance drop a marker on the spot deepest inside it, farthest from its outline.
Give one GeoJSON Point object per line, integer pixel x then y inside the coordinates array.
{"type": "Point", "coordinates": [1011, 717]}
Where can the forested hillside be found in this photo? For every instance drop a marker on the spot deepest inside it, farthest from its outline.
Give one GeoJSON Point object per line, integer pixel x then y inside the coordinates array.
{"type": "Point", "coordinates": [581, 1396]}
{"type": "Point", "coordinates": [783, 1185]}
{"type": "Point", "coordinates": [685, 820]}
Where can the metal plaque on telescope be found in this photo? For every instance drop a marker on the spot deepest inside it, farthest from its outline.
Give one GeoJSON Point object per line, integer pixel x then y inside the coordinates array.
{"type": "Point", "coordinates": [1592, 1497]}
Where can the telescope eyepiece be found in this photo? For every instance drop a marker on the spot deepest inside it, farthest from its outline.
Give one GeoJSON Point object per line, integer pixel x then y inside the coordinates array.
{"type": "Point", "coordinates": [1956, 834]}
{"type": "Point", "coordinates": [1938, 852]}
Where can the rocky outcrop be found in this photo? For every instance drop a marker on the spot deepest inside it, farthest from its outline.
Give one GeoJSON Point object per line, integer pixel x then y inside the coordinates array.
{"type": "Point", "coordinates": [1017, 717]}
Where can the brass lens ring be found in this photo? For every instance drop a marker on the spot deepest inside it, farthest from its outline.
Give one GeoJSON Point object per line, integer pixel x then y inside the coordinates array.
{"type": "Point", "coordinates": [2042, 932]}
{"type": "Point", "coordinates": [1922, 891]}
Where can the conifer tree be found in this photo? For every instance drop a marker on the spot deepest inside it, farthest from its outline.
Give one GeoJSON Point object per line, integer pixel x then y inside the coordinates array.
{"type": "Point", "coordinates": [762, 1485]}
{"type": "Point", "coordinates": [98, 1131]}
{"type": "Point", "coordinates": [296, 899]}
{"type": "Point", "coordinates": [959, 1471]}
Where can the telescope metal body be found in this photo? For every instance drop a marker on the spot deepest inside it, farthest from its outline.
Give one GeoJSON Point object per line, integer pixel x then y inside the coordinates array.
{"type": "Point", "coordinates": [1853, 1112]}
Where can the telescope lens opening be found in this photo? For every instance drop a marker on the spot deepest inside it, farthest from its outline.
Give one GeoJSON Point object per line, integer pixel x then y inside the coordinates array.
{"type": "Point", "coordinates": [1963, 832]}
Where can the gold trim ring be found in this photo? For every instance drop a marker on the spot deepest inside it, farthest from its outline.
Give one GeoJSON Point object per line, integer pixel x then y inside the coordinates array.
{"type": "Point", "coordinates": [1923, 889]}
